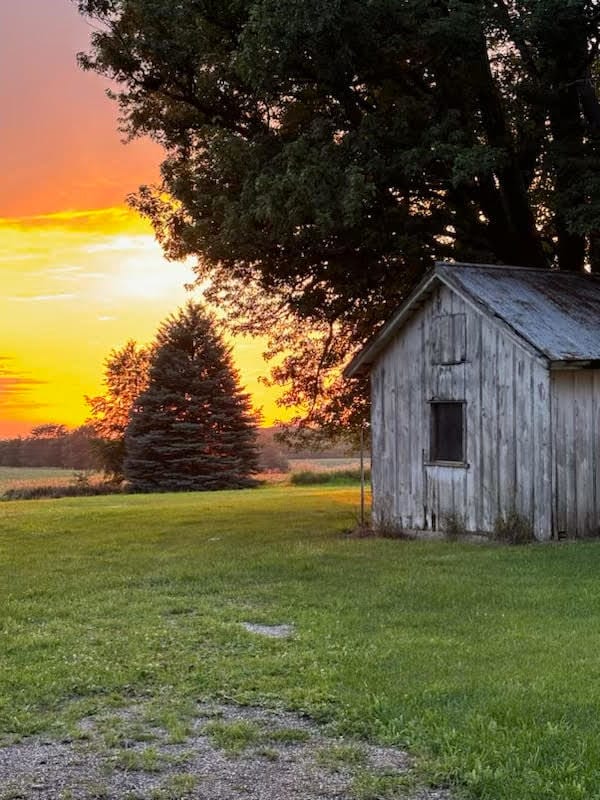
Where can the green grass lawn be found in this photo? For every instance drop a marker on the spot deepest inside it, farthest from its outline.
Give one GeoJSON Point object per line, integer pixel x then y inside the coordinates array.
{"type": "Point", "coordinates": [483, 660]}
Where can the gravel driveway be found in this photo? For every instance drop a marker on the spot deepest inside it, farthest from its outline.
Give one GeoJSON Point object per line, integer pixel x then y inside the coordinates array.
{"type": "Point", "coordinates": [229, 752]}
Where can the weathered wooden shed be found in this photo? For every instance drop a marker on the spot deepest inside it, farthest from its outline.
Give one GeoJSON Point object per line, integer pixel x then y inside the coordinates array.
{"type": "Point", "coordinates": [486, 402]}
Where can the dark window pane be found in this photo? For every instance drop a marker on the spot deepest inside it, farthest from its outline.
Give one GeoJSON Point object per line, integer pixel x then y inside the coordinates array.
{"type": "Point", "coordinates": [447, 435]}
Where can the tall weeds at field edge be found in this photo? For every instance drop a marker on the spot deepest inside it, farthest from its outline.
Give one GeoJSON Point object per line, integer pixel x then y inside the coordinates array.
{"type": "Point", "coordinates": [54, 492]}
{"type": "Point", "coordinates": [310, 478]}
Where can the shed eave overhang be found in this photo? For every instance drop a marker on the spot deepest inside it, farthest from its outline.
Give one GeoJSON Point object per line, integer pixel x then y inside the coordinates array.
{"type": "Point", "coordinates": [572, 363]}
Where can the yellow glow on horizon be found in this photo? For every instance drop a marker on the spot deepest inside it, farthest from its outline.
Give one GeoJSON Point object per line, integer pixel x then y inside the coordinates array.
{"type": "Point", "coordinates": [76, 284]}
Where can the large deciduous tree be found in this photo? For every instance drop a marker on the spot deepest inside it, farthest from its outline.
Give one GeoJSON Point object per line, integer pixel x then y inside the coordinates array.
{"type": "Point", "coordinates": [321, 154]}
{"type": "Point", "coordinates": [125, 377]}
{"type": "Point", "coordinates": [192, 427]}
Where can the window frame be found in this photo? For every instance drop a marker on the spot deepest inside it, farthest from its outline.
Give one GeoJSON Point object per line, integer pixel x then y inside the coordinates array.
{"type": "Point", "coordinates": [433, 444]}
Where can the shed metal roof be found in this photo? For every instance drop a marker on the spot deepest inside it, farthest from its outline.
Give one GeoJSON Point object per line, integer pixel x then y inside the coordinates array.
{"type": "Point", "coordinates": [555, 313]}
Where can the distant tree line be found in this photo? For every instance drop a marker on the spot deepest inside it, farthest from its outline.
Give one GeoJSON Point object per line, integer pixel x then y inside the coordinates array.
{"type": "Point", "coordinates": [52, 445]}
{"type": "Point", "coordinates": [82, 449]}
{"type": "Point", "coordinates": [277, 444]}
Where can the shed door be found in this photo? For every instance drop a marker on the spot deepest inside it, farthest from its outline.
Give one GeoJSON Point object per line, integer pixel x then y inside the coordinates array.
{"type": "Point", "coordinates": [445, 464]}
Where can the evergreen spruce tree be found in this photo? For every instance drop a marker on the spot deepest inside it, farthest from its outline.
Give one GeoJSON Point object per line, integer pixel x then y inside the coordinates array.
{"type": "Point", "coordinates": [192, 428]}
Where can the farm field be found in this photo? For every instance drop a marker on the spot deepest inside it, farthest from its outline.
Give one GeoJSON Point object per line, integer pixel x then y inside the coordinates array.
{"type": "Point", "coordinates": [21, 477]}
{"type": "Point", "coordinates": [481, 660]}
{"type": "Point", "coordinates": [324, 464]}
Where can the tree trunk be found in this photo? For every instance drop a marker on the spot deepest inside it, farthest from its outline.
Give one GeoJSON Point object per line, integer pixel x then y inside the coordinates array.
{"type": "Point", "coordinates": [567, 132]}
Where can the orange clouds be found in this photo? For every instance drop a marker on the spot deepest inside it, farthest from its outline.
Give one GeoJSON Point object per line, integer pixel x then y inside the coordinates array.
{"type": "Point", "coordinates": [15, 387]}
{"type": "Point", "coordinates": [74, 283]}
{"type": "Point", "coordinates": [75, 286]}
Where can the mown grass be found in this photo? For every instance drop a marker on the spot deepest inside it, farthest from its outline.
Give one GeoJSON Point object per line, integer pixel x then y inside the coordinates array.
{"type": "Point", "coordinates": [482, 660]}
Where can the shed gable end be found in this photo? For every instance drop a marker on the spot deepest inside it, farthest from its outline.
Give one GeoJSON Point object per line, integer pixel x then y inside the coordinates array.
{"type": "Point", "coordinates": [460, 421]}
{"type": "Point", "coordinates": [449, 339]}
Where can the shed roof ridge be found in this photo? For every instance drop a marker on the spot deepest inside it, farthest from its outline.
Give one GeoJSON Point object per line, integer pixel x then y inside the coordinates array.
{"type": "Point", "coordinates": [556, 316]}
{"type": "Point", "coordinates": [484, 307]}
{"type": "Point", "coordinates": [542, 270]}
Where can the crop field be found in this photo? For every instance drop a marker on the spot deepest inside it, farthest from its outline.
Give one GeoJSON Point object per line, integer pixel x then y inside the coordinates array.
{"type": "Point", "coordinates": [324, 464]}
{"type": "Point", "coordinates": [19, 477]}
{"type": "Point", "coordinates": [481, 660]}
{"type": "Point", "coordinates": [31, 477]}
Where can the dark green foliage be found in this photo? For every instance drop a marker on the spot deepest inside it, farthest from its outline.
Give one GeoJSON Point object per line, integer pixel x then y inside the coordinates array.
{"type": "Point", "coordinates": [110, 454]}
{"type": "Point", "coordinates": [78, 489]}
{"type": "Point", "coordinates": [323, 153]}
{"type": "Point", "coordinates": [192, 428]}
{"type": "Point", "coordinates": [513, 528]}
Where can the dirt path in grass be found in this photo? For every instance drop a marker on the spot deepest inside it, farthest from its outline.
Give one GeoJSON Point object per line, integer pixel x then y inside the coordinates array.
{"type": "Point", "coordinates": [229, 752]}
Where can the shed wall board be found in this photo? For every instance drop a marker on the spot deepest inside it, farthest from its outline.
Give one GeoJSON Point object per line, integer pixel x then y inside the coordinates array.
{"type": "Point", "coordinates": [576, 444]}
{"type": "Point", "coordinates": [507, 423]}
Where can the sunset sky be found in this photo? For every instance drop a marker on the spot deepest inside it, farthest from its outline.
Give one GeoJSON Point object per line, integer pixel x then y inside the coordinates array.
{"type": "Point", "coordinates": [80, 273]}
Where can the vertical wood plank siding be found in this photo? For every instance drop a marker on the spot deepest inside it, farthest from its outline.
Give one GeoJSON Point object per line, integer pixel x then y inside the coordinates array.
{"type": "Point", "coordinates": [576, 424]}
{"type": "Point", "coordinates": [507, 424]}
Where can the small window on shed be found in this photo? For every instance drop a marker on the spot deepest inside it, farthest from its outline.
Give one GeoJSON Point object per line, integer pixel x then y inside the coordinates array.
{"type": "Point", "coordinates": [447, 431]}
